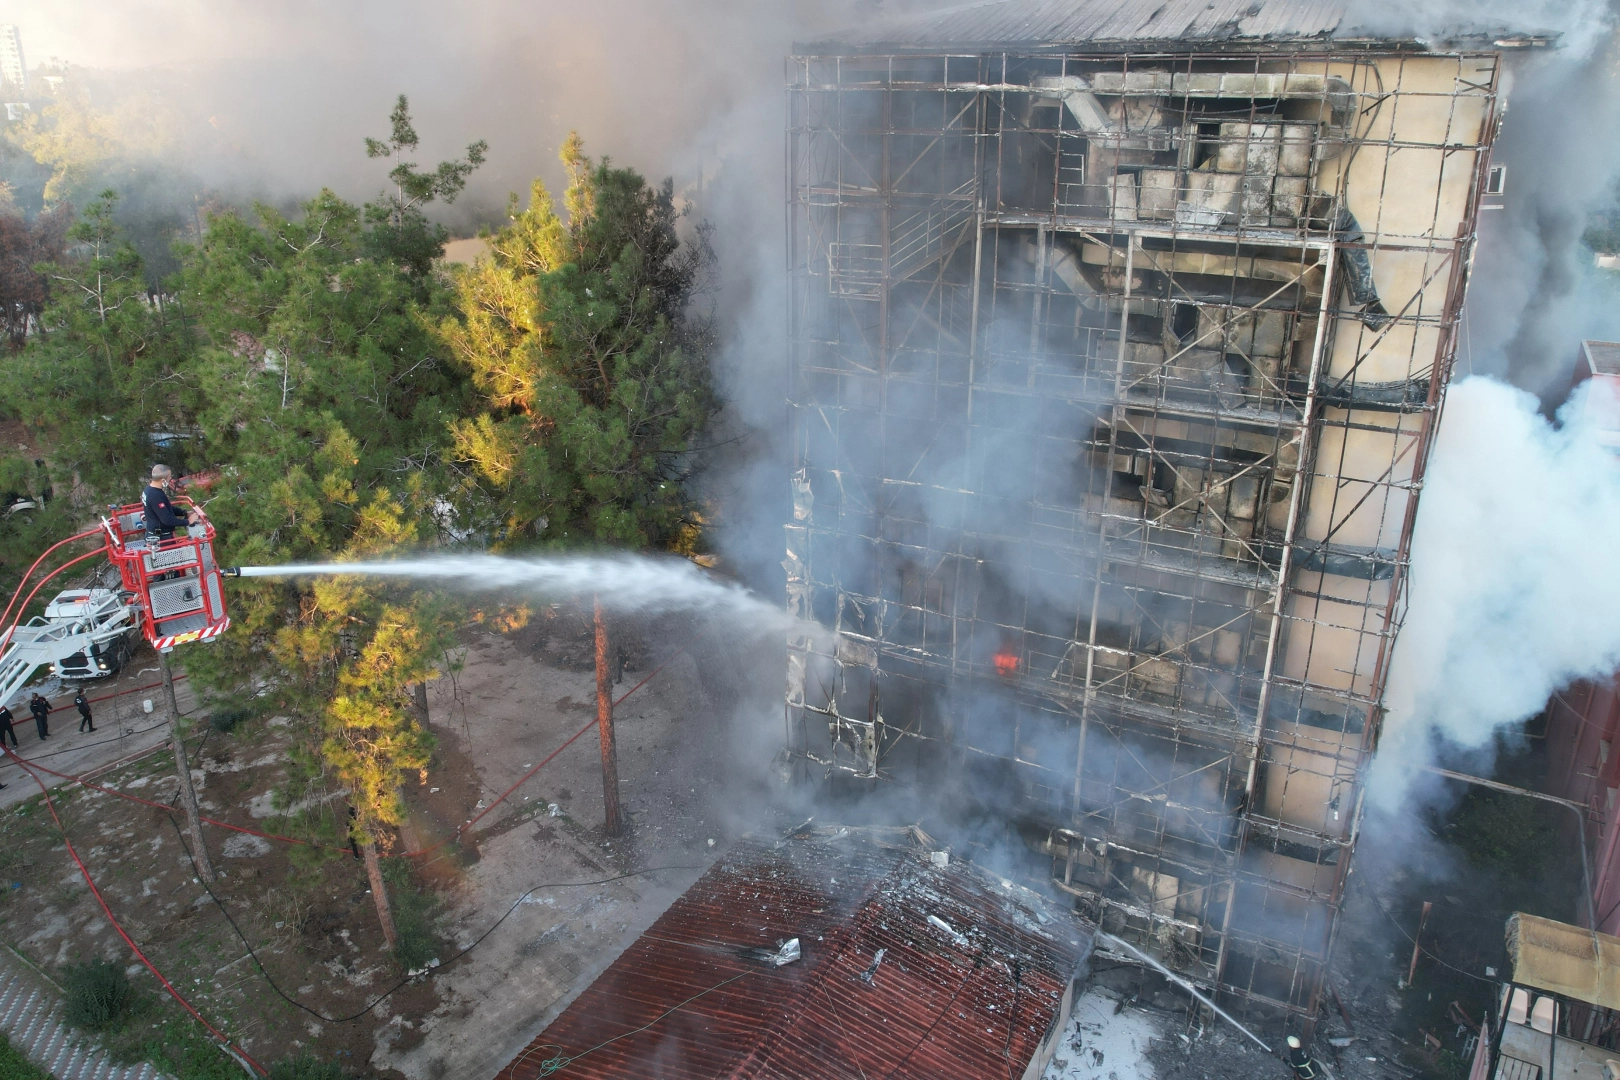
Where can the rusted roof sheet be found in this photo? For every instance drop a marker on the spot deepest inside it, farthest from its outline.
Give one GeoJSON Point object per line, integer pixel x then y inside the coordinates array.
{"type": "Point", "coordinates": [1566, 960]}
{"type": "Point", "coordinates": [975, 997]}
{"type": "Point", "coordinates": [1602, 357]}
{"type": "Point", "coordinates": [1047, 23]}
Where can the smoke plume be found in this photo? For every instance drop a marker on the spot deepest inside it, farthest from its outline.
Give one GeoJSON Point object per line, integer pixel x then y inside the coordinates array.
{"type": "Point", "coordinates": [1510, 595]}
{"type": "Point", "coordinates": [1507, 599]}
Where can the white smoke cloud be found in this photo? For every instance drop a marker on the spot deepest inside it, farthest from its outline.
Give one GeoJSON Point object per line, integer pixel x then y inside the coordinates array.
{"type": "Point", "coordinates": [1511, 595]}
{"type": "Point", "coordinates": [1580, 24]}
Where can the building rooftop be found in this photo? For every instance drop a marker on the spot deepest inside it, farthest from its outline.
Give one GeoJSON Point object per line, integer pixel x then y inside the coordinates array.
{"type": "Point", "coordinates": [906, 969]}
{"type": "Point", "coordinates": [1600, 358]}
{"type": "Point", "coordinates": [1052, 25]}
{"type": "Point", "coordinates": [1564, 959]}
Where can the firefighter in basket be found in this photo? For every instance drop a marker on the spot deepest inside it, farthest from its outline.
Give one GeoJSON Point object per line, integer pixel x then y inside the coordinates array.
{"type": "Point", "coordinates": [161, 518]}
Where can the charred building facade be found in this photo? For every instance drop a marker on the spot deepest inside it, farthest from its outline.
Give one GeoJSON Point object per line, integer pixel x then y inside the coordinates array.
{"type": "Point", "coordinates": [1118, 337]}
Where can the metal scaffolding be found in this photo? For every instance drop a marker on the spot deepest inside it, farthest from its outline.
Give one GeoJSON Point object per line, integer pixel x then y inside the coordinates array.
{"type": "Point", "coordinates": [1113, 376]}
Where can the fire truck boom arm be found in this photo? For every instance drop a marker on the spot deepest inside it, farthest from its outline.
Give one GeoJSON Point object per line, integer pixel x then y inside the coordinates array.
{"type": "Point", "coordinates": [34, 646]}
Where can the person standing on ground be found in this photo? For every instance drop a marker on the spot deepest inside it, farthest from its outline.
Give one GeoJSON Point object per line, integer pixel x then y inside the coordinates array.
{"type": "Point", "coordinates": [5, 726]}
{"type": "Point", "coordinates": [83, 705]}
{"type": "Point", "coordinates": [42, 712]}
{"type": "Point", "coordinates": [1300, 1060]}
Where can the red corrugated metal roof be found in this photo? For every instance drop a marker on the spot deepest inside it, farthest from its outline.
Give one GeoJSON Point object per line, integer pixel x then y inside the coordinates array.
{"type": "Point", "coordinates": [973, 999]}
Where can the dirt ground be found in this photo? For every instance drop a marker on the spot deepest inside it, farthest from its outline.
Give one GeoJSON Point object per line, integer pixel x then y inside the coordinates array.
{"type": "Point", "coordinates": [536, 893]}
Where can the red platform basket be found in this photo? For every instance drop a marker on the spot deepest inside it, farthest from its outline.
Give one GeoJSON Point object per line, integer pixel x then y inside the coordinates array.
{"type": "Point", "coordinates": [175, 583]}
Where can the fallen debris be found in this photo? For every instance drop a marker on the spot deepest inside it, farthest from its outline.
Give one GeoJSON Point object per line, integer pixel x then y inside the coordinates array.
{"type": "Point", "coordinates": [785, 953]}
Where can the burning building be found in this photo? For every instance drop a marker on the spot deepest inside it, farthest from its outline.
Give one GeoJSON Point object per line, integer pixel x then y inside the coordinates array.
{"type": "Point", "coordinates": [1119, 333]}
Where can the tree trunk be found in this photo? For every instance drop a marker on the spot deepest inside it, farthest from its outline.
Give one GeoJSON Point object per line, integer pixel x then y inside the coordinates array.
{"type": "Point", "coordinates": [182, 772]}
{"type": "Point", "coordinates": [604, 725]}
{"type": "Point", "coordinates": [379, 890]}
{"type": "Point", "coordinates": [421, 702]}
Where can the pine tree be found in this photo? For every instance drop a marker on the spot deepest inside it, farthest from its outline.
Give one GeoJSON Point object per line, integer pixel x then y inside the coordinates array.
{"type": "Point", "coordinates": [593, 366]}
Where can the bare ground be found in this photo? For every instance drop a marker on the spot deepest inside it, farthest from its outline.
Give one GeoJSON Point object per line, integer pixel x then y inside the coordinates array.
{"type": "Point", "coordinates": [537, 892]}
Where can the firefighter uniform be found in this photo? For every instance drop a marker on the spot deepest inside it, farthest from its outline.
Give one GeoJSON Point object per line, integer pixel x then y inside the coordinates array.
{"type": "Point", "coordinates": [1300, 1060]}
{"type": "Point", "coordinates": [42, 712]}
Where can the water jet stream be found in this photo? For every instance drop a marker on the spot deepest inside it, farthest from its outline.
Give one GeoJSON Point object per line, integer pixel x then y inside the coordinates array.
{"type": "Point", "coordinates": [630, 583]}
{"type": "Point", "coordinates": [1183, 983]}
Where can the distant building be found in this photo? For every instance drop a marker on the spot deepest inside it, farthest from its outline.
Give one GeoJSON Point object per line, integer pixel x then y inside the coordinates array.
{"type": "Point", "coordinates": [1598, 364]}
{"type": "Point", "coordinates": [12, 66]}
{"type": "Point", "coordinates": [1583, 720]}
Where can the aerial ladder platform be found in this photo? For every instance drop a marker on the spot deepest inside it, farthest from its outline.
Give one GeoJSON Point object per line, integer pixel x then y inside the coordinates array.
{"type": "Point", "coordinates": [169, 592]}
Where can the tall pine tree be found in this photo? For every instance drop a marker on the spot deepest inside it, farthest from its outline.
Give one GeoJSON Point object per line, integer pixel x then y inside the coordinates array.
{"type": "Point", "coordinates": [594, 367]}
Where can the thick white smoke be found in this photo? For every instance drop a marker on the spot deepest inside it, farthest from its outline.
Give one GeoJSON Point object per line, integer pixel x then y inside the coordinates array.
{"type": "Point", "coordinates": [1579, 24]}
{"type": "Point", "coordinates": [1508, 598]}
{"type": "Point", "coordinates": [1511, 593]}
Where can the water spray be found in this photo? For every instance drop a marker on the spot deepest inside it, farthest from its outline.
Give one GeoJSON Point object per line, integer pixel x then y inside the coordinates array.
{"type": "Point", "coordinates": [638, 583]}
{"type": "Point", "coordinates": [1183, 983]}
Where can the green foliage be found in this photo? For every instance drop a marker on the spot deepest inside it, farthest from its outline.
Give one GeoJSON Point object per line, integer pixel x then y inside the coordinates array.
{"type": "Point", "coordinates": [225, 720]}
{"type": "Point", "coordinates": [86, 147]}
{"type": "Point", "coordinates": [99, 996]}
{"type": "Point", "coordinates": [401, 233]}
{"type": "Point", "coordinates": [322, 390]}
{"type": "Point", "coordinates": [306, 1066]}
{"type": "Point", "coordinates": [1505, 833]}
{"type": "Point", "coordinates": [74, 148]}
{"type": "Point", "coordinates": [176, 1044]}
{"type": "Point", "coordinates": [1603, 232]}
{"type": "Point", "coordinates": [594, 371]}
{"type": "Point", "coordinates": [13, 1066]}
{"type": "Point", "coordinates": [414, 187]}
{"type": "Point", "coordinates": [337, 387]}
{"type": "Point", "coordinates": [416, 918]}
{"type": "Point", "coordinates": [105, 375]}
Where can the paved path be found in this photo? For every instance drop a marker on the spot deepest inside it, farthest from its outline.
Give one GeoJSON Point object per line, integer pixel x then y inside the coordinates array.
{"type": "Point", "coordinates": [123, 728]}
{"type": "Point", "coordinates": [31, 1017]}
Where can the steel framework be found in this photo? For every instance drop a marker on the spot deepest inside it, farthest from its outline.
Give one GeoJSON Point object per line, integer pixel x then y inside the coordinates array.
{"type": "Point", "coordinates": [1113, 378]}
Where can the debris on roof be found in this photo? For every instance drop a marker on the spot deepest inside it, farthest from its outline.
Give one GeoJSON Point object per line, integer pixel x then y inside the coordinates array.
{"type": "Point", "coordinates": [878, 988]}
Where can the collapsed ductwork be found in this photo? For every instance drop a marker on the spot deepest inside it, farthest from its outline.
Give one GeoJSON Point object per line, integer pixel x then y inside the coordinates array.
{"type": "Point", "coordinates": [1161, 147]}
